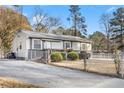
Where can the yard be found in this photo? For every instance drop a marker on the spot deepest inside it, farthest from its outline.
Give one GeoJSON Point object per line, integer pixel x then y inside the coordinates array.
{"type": "Point", "coordinates": [9, 83]}
{"type": "Point", "coordinates": [45, 76]}
{"type": "Point", "coordinates": [106, 67]}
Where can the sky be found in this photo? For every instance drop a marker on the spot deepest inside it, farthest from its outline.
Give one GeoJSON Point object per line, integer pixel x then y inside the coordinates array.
{"type": "Point", "coordinates": [91, 13]}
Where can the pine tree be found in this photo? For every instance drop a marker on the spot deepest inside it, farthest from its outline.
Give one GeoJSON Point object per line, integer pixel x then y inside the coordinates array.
{"type": "Point", "coordinates": [117, 24]}
{"type": "Point", "coordinates": [78, 21]}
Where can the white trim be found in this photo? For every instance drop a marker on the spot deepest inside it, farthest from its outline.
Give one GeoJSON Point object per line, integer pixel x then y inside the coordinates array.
{"type": "Point", "coordinates": [40, 44]}
{"type": "Point", "coordinates": [65, 44]}
{"type": "Point", "coordinates": [47, 44]}
{"type": "Point", "coordinates": [76, 46]}
{"type": "Point", "coordinates": [57, 45]}
{"type": "Point", "coordinates": [84, 46]}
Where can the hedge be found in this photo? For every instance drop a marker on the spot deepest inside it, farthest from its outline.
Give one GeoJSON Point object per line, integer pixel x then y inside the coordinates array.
{"type": "Point", "coordinates": [63, 55]}
{"type": "Point", "coordinates": [73, 55]}
{"type": "Point", "coordinates": [56, 57]}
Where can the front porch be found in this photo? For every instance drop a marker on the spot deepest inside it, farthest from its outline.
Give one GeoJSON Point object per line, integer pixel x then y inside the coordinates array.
{"type": "Point", "coordinates": [44, 55]}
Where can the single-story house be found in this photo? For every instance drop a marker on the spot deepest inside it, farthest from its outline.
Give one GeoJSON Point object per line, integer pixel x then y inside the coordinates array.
{"type": "Point", "coordinates": [30, 43]}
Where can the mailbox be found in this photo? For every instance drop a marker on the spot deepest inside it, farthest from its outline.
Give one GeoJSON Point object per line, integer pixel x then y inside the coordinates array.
{"type": "Point", "coordinates": [84, 55]}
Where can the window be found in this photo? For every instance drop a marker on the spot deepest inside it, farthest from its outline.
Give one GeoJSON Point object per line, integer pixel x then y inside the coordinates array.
{"type": "Point", "coordinates": [67, 45]}
{"type": "Point", "coordinates": [76, 45]}
{"type": "Point", "coordinates": [83, 46]}
{"type": "Point", "coordinates": [57, 45]}
{"type": "Point", "coordinates": [47, 45]}
{"type": "Point", "coordinates": [37, 44]}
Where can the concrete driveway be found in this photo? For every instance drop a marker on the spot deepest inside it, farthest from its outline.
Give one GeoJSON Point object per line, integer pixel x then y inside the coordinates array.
{"type": "Point", "coordinates": [51, 76]}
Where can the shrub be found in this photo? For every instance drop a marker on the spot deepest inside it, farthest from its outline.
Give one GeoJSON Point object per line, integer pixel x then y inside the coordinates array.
{"type": "Point", "coordinates": [56, 56]}
{"type": "Point", "coordinates": [73, 55]}
{"type": "Point", "coordinates": [63, 55]}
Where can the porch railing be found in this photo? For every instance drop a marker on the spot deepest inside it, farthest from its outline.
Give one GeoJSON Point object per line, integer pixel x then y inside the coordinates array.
{"type": "Point", "coordinates": [43, 55]}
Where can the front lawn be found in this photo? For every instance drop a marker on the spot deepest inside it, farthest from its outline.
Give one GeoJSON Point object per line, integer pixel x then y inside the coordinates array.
{"type": "Point", "coordinates": [106, 67]}
{"type": "Point", "coordinates": [9, 83]}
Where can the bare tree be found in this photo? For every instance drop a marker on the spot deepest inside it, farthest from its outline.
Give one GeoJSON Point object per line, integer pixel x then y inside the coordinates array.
{"type": "Point", "coordinates": [52, 23]}
{"type": "Point", "coordinates": [43, 22]}
{"type": "Point", "coordinates": [105, 23]}
{"type": "Point", "coordinates": [59, 31]}
{"type": "Point", "coordinates": [39, 20]}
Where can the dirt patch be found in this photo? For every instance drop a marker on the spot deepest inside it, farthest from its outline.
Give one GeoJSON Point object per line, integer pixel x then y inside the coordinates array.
{"type": "Point", "coordinates": [105, 67]}
{"type": "Point", "coordinates": [9, 83]}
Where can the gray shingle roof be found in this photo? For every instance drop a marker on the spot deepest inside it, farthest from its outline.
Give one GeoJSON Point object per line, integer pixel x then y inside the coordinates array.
{"type": "Point", "coordinates": [53, 36]}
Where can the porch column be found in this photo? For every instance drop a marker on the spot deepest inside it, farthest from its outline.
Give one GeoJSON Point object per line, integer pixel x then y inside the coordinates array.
{"type": "Point", "coordinates": [43, 44]}
{"type": "Point", "coordinates": [80, 47]}
{"type": "Point", "coordinates": [71, 44]}
{"type": "Point", "coordinates": [30, 48]}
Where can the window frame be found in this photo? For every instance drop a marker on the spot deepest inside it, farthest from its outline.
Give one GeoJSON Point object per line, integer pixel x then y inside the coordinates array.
{"type": "Point", "coordinates": [83, 46]}
{"type": "Point", "coordinates": [47, 45]}
{"type": "Point", "coordinates": [33, 46]}
{"type": "Point", "coordinates": [65, 45]}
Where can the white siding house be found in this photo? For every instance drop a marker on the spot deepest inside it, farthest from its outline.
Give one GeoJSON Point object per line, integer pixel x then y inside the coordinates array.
{"type": "Point", "coordinates": [26, 41]}
{"type": "Point", "coordinates": [76, 46]}
{"type": "Point", "coordinates": [20, 45]}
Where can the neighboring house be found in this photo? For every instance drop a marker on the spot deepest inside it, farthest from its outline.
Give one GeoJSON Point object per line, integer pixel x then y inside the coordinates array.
{"type": "Point", "coordinates": [30, 44]}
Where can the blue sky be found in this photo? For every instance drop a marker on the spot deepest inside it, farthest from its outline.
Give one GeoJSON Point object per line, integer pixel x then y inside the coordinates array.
{"type": "Point", "coordinates": [92, 14]}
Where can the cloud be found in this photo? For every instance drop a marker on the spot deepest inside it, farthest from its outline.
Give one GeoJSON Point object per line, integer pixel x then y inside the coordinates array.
{"type": "Point", "coordinates": [111, 9]}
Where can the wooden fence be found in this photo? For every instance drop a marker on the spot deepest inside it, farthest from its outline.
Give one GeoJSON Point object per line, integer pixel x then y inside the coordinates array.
{"type": "Point", "coordinates": [105, 55]}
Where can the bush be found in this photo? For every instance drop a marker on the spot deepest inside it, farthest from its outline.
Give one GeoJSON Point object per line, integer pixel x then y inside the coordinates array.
{"type": "Point", "coordinates": [63, 55]}
{"type": "Point", "coordinates": [56, 56]}
{"type": "Point", "coordinates": [73, 55]}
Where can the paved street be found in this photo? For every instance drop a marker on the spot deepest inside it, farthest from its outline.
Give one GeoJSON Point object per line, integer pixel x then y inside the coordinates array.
{"type": "Point", "coordinates": [51, 76]}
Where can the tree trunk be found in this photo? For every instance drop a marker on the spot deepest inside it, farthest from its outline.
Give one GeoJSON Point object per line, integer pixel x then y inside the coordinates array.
{"type": "Point", "coordinates": [108, 45]}
{"type": "Point", "coordinates": [75, 27]}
